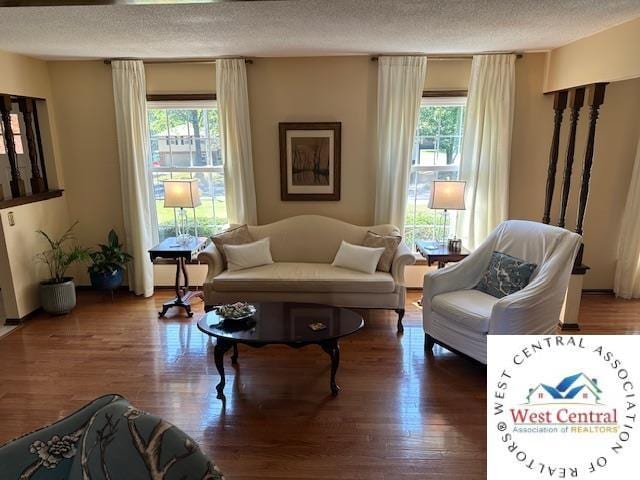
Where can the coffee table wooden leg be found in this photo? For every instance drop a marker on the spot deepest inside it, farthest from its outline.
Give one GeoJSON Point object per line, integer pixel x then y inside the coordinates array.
{"type": "Point", "coordinates": [218, 355]}
{"type": "Point", "coordinates": [234, 357]}
{"type": "Point", "coordinates": [333, 350]}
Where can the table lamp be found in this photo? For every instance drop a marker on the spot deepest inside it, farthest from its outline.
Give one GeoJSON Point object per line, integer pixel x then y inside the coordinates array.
{"type": "Point", "coordinates": [181, 194]}
{"type": "Point", "coordinates": [447, 195]}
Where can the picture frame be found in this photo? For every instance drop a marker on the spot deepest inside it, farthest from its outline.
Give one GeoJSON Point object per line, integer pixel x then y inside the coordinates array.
{"type": "Point", "coordinates": [310, 161]}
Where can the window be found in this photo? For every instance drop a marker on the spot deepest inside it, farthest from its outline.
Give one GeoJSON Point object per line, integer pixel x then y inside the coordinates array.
{"type": "Point", "coordinates": [436, 156]}
{"type": "Point", "coordinates": [185, 143]}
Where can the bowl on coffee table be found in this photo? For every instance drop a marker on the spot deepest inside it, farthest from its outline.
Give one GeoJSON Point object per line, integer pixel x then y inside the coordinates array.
{"type": "Point", "coordinates": [236, 311]}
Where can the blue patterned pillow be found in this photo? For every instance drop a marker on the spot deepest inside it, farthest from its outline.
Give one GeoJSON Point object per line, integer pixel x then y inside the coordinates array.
{"type": "Point", "coordinates": [505, 275]}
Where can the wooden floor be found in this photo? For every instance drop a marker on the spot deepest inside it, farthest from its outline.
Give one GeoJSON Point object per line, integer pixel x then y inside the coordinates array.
{"type": "Point", "coordinates": [400, 414]}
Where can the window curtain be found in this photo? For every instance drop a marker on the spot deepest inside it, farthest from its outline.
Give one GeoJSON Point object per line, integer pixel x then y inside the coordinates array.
{"type": "Point", "coordinates": [130, 97]}
{"type": "Point", "coordinates": [627, 277]}
{"type": "Point", "coordinates": [486, 147]}
{"type": "Point", "coordinates": [235, 133]}
{"type": "Point", "coordinates": [400, 85]}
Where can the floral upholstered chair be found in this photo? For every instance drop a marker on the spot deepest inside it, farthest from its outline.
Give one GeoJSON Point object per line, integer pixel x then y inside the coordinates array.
{"type": "Point", "coordinates": [107, 439]}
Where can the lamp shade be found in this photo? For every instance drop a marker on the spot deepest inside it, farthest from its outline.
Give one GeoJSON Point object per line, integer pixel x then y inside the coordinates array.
{"type": "Point", "coordinates": [447, 195]}
{"type": "Point", "coordinates": [181, 193]}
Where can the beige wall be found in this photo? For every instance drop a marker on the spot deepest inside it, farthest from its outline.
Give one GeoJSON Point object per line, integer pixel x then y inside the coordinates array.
{"type": "Point", "coordinates": [291, 89]}
{"type": "Point", "coordinates": [325, 89]}
{"type": "Point", "coordinates": [27, 76]}
{"type": "Point", "coordinates": [342, 89]}
{"type": "Point", "coordinates": [83, 99]}
{"type": "Point", "coordinates": [616, 139]}
{"type": "Point", "coordinates": [18, 246]}
{"type": "Point", "coordinates": [19, 273]}
{"type": "Point", "coordinates": [314, 90]}
{"type": "Point", "coordinates": [608, 56]}
{"type": "Point", "coordinates": [180, 77]}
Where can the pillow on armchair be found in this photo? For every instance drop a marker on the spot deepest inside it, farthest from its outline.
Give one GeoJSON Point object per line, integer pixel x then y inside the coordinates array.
{"type": "Point", "coordinates": [505, 275]}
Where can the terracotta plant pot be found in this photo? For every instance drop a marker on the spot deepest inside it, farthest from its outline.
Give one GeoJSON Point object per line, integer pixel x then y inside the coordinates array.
{"type": "Point", "coordinates": [58, 298]}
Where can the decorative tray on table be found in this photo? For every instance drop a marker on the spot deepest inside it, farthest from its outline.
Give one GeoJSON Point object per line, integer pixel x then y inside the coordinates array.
{"type": "Point", "coordinates": [236, 311]}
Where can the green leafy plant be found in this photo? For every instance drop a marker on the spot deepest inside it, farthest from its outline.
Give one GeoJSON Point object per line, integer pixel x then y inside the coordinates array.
{"type": "Point", "coordinates": [62, 253]}
{"type": "Point", "coordinates": [109, 257]}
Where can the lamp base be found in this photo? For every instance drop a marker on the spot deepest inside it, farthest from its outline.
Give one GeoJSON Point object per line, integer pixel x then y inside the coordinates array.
{"type": "Point", "coordinates": [184, 239]}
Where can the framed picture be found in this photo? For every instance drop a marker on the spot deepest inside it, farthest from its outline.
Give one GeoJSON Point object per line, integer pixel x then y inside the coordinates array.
{"type": "Point", "coordinates": [310, 161]}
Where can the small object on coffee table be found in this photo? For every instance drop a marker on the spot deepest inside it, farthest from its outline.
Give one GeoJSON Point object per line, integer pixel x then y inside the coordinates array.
{"type": "Point", "coordinates": [317, 326]}
{"type": "Point", "coordinates": [283, 324]}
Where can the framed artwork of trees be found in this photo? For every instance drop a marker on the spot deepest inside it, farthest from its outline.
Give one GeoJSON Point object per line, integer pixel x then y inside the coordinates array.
{"type": "Point", "coordinates": [310, 161]}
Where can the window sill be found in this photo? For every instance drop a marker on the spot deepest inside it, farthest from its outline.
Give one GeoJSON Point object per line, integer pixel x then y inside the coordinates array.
{"type": "Point", "coordinates": [38, 197]}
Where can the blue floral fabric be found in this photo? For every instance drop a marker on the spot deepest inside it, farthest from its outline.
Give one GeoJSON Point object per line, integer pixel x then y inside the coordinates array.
{"type": "Point", "coordinates": [505, 275]}
{"type": "Point", "coordinates": [107, 439]}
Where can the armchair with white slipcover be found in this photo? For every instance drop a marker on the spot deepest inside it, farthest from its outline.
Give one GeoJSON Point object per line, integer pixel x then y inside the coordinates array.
{"type": "Point", "coordinates": [457, 316]}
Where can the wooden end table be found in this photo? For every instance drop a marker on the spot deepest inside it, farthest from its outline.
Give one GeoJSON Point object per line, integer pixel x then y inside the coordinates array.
{"type": "Point", "coordinates": [171, 249]}
{"type": "Point", "coordinates": [283, 324]}
{"type": "Point", "coordinates": [440, 254]}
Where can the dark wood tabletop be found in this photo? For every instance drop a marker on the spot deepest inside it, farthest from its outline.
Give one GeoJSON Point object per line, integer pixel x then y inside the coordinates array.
{"type": "Point", "coordinates": [170, 248]}
{"type": "Point", "coordinates": [438, 253]}
{"type": "Point", "coordinates": [284, 323]}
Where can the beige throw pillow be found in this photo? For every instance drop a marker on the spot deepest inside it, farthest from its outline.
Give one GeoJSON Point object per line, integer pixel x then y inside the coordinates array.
{"type": "Point", "coordinates": [358, 258]}
{"type": "Point", "coordinates": [248, 255]}
{"type": "Point", "coordinates": [235, 236]}
{"type": "Point", "coordinates": [390, 244]}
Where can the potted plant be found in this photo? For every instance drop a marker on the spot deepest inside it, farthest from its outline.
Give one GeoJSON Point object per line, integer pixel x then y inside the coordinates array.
{"type": "Point", "coordinates": [107, 264]}
{"type": "Point", "coordinates": [58, 293]}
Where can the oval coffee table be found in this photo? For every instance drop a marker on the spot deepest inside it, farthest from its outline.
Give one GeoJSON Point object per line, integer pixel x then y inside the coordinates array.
{"type": "Point", "coordinates": [285, 324]}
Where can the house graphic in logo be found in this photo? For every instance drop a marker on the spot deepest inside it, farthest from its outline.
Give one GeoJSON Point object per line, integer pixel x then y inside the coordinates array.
{"type": "Point", "coordinates": [578, 388]}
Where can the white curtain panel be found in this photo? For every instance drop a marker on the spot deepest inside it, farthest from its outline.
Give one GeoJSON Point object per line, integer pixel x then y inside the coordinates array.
{"type": "Point", "coordinates": [486, 147]}
{"type": "Point", "coordinates": [400, 85]}
{"type": "Point", "coordinates": [130, 97]}
{"type": "Point", "coordinates": [235, 131]}
{"type": "Point", "coordinates": [627, 278]}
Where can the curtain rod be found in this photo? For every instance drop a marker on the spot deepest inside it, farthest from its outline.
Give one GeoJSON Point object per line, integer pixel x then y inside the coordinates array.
{"type": "Point", "coordinates": [108, 61]}
{"type": "Point", "coordinates": [446, 57]}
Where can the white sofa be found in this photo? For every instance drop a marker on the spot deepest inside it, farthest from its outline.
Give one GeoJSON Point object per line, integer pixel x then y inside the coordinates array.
{"type": "Point", "coordinates": [303, 249]}
{"type": "Point", "coordinates": [459, 317]}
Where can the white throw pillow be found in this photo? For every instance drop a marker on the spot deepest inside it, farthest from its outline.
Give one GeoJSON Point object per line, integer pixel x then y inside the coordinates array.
{"type": "Point", "coordinates": [248, 255]}
{"type": "Point", "coordinates": [357, 257]}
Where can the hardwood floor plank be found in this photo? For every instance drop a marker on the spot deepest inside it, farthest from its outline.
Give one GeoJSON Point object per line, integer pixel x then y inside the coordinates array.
{"type": "Point", "coordinates": [400, 414]}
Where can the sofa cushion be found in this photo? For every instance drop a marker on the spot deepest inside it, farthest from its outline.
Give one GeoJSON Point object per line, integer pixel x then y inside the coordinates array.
{"type": "Point", "coordinates": [312, 238]}
{"type": "Point", "coordinates": [358, 258]}
{"type": "Point", "coordinates": [390, 244]}
{"type": "Point", "coordinates": [234, 236]}
{"type": "Point", "coordinates": [303, 277]}
{"type": "Point", "coordinates": [248, 255]}
{"type": "Point", "coordinates": [470, 308]}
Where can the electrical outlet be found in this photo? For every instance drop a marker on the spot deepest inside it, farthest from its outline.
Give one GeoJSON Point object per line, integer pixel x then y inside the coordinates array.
{"type": "Point", "coordinates": [12, 220]}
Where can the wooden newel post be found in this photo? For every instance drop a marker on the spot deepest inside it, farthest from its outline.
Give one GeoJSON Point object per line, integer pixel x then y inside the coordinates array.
{"type": "Point", "coordinates": [26, 107]}
{"type": "Point", "coordinates": [559, 104]}
{"type": "Point", "coordinates": [576, 100]}
{"type": "Point", "coordinates": [16, 183]}
{"type": "Point", "coordinates": [596, 98]}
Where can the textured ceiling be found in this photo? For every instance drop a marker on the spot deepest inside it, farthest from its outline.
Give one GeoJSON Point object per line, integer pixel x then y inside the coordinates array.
{"type": "Point", "coordinates": [306, 27]}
